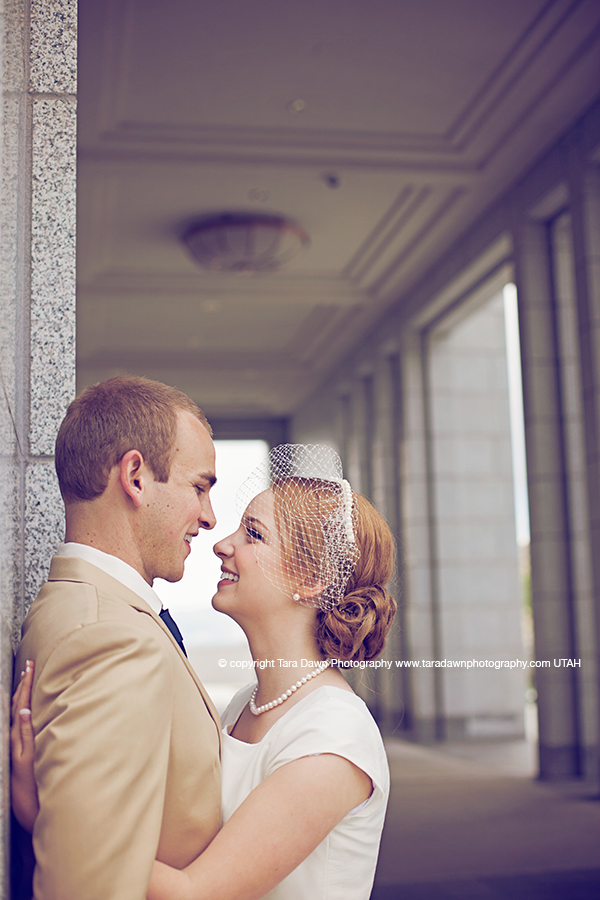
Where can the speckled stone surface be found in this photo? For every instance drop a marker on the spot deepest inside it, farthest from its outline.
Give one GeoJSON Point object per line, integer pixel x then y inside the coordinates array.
{"type": "Point", "coordinates": [13, 116]}
{"type": "Point", "coordinates": [5, 696]}
{"type": "Point", "coordinates": [9, 627]}
{"type": "Point", "coordinates": [44, 525]}
{"type": "Point", "coordinates": [9, 338]}
{"type": "Point", "coordinates": [52, 268]}
{"type": "Point", "coordinates": [37, 311]}
{"type": "Point", "coordinates": [9, 558]}
{"type": "Point", "coordinates": [53, 46]}
{"type": "Point", "coordinates": [13, 62]}
{"type": "Point", "coordinates": [12, 106]}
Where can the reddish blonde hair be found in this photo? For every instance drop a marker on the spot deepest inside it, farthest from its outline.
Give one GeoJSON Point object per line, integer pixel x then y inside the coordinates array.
{"type": "Point", "coordinates": [356, 627]}
{"type": "Point", "coordinates": [110, 418]}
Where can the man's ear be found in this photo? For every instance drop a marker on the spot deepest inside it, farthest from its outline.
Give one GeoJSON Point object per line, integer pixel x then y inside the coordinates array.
{"type": "Point", "coordinates": [132, 469]}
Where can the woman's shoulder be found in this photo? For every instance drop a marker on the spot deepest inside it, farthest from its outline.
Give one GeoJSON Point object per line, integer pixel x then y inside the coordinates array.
{"type": "Point", "coordinates": [337, 721]}
{"type": "Point", "coordinates": [330, 720]}
{"type": "Point", "coordinates": [335, 710]}
{"type": "Point", "coordinates": [334, 698]}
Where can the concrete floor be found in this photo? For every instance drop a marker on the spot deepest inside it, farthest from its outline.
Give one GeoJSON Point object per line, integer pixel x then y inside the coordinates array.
{"type": "Point", "coordinates": [468, 821]}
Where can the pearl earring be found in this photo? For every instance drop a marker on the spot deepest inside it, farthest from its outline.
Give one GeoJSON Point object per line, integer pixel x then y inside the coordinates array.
{"type": "Point", "coordinates": [296, 597]}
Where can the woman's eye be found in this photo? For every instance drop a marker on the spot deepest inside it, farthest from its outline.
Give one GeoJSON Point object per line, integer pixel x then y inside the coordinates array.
{"type": "Point", "coordinates": [254, 534]}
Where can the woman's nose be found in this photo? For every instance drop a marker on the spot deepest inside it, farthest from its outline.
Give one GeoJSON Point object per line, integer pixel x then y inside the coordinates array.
{"type": "Point", "coordinates": [224, 547]}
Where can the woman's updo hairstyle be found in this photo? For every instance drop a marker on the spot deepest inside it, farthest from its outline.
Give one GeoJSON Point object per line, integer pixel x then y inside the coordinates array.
{"type": "Point", "coordinates": [337, 553]}
{"type": "Point", "coordinates": [356, 628]}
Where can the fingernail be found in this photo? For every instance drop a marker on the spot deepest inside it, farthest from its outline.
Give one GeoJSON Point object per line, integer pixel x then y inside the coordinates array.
{"type": "Point", "coordinates": [25, 712]}
{"type": "Point", "coordinates": [28, 669]}
{"type": "Point", "coordinates": [22, 673]}
{"type": "Point", "coordinates": [29, 662]}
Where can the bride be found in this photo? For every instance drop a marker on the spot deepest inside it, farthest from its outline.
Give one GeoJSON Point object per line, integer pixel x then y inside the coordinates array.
{"type": "Point", "coordinates": [305, 777]}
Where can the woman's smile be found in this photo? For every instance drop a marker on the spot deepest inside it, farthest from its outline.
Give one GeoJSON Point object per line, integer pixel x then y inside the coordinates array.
{"type": "Point", "coordinates": [227, 577]}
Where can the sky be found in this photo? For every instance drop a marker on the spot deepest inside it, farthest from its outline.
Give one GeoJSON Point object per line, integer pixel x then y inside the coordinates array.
{"type": "Point", "coordinates": [189, 600]}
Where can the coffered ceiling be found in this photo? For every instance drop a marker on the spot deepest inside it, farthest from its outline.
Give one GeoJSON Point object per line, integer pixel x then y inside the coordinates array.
{"type": "Point", "coordinates": [383, 127]}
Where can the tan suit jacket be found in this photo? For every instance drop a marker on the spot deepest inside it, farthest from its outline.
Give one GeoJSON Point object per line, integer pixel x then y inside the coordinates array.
{"type": "Point", "coordinates": [127, 740]}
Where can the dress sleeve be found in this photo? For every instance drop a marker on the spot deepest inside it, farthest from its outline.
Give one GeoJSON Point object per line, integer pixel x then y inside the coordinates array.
{"type": "Point", "coordinates": [102, 708]}
{"type": "Point", "coordinates": [335, 722]}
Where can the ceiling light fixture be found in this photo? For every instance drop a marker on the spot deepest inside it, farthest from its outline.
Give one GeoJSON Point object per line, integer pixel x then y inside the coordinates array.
{"type": "Point", "coordinates": [296, 106]}
{"type": "Point", "coordinates": [244, 242]}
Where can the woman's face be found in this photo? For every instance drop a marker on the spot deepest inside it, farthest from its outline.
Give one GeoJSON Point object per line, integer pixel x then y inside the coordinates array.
{"type": "Point", "coordinates": [252, 567]}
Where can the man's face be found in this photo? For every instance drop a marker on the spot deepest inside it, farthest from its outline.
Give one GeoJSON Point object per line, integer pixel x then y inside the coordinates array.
{"type": "Point", "coordinates": [178, 509]}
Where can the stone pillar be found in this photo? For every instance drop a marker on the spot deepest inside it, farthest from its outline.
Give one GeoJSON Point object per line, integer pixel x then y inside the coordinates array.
{"type": "Point", "coordinates": [37, 308]}
{"type": "Point", "coordinates": [422, 688]}
{"type": "Point", "coordinates": [584, 184]}
{"type": "Point", "coordinates": [395, 685]}
{"type": "Point", "coordinates": [578, 494]}
{"type": "Point", "coordinates": [475, 554]}
{"type": "Point", "coordinates": [380, 388]}
{"type": "Point", "coordinates": [551, 576]}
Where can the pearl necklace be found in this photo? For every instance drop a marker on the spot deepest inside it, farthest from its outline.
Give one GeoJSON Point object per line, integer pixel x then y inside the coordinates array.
{"type": "Point", "coordinates": [257, 710]}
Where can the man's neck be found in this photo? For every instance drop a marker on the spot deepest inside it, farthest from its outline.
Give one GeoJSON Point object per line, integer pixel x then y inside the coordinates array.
{"type": "Point", "coordinates": [115, 567]}
{"type": "Point", "coordinates": [90, 528]}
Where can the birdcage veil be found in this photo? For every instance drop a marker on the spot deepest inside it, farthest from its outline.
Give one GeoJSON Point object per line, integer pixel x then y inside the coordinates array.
{"type": "Point", "coordinates": [301, 488]}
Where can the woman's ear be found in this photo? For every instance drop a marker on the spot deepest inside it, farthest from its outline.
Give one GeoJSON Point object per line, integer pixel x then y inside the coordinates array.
{"type": "Point", "coordinates": [309, 588]}
{"type": "Point", "coordinates": [132, 470]}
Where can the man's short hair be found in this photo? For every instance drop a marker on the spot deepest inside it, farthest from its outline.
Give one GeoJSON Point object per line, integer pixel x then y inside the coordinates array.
{"type": "Point", "coordinates": [110, 418]}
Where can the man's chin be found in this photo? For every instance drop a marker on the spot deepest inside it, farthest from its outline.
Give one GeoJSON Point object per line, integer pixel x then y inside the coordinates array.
{"type": "Point", "coordinates": [173, 575]}
{"type": "Point", "coordinates": [175, 578]}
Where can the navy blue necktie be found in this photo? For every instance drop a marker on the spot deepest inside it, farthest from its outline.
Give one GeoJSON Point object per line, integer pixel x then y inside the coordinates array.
{"type": "Point", "coordinates": [170, 623]}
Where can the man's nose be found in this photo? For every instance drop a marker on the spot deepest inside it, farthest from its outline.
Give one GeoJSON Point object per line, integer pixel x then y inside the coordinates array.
{"type": "Point", "coordinates": [207, 518]}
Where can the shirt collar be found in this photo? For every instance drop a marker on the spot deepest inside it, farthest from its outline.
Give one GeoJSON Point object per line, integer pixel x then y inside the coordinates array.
{"type": "Point", "coordinates": [114, 567]}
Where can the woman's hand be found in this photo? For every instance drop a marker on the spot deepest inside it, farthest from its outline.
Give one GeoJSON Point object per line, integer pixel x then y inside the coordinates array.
{"type": "Point", "coordinates": [24, 796]}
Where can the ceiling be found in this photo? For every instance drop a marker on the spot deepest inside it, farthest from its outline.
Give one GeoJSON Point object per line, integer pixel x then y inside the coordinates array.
{"type": "Point", "coordinates": [415, 115]}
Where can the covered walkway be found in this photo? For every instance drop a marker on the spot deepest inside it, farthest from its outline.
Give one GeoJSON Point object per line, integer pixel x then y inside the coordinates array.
{"type": "Point", "coordinates": [442, 158]}
{"type": "Point", "coordinates": [466, 828]}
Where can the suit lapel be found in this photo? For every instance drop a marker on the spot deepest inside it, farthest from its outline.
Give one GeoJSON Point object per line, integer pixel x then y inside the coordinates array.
{"type": "Point", "coordinates": [209, 704]}
{"type": "Point", "coordinates": [144, 608]}
{"type": "Point", "coordinates": [70, 568]}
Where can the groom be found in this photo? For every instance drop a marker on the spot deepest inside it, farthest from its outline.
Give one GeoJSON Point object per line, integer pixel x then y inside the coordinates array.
{"type": "Point", "coordinates": [127, 740]}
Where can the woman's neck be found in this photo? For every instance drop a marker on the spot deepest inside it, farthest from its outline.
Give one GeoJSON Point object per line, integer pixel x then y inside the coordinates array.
{"type": "Point", "coordinates": [281, 663]}
{"type": "Point", "coordinates": [285, 651]}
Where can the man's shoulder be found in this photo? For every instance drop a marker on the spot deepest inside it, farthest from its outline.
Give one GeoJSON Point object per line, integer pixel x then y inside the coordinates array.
{"type": "Point", "coordinates": [76, 593]}
{"type": "Point", "coordinates": [72, 579]}
{"type": "Point", "coordinates": [80, 602]}
{"type": "Point", "coordinates": [62, 606]}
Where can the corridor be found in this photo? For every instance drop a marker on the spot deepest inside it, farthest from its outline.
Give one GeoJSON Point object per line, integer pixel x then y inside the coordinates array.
{"type": "Point", "coordinates": [464, 828]}
{"type": "Point", "coordinates": [435, 165]}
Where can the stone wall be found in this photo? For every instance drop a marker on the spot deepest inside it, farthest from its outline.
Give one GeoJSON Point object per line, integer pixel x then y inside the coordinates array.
{"type": "Point", "coordinates": [37, 307]}
{"type": "Point", "coordinates": [477, 560]}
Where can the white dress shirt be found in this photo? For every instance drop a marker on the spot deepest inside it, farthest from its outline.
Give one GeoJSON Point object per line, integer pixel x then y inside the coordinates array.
{"type": "Point", "coordinates": [116, 568]}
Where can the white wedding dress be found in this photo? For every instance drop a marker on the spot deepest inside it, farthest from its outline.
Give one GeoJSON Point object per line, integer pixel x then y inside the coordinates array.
{"type": "Point", "coordinates": [328, 720]}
